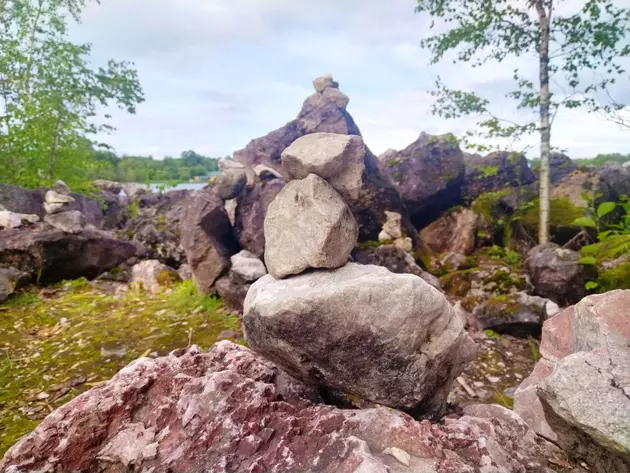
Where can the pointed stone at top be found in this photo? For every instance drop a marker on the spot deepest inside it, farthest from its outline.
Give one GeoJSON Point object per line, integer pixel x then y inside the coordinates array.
{"type": "Point", "coordinates": [324, 82]}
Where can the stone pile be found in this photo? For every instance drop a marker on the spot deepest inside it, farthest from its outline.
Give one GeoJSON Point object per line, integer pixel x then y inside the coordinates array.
{"type": "Point", "coordinates": [388, 338]}
{"type": "Point", "coordinates": [59, 215]}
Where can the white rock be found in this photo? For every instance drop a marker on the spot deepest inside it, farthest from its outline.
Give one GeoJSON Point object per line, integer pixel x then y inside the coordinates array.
{"type": "Point", "coordinates": [248, 266]}
{"type": "Point", "coordinates": [54, 197]}
{"type": "Point", "coordinates": [53, 208]}
{"type": "Point", "coordinates": [339, 159]}
{"type": "Point", "coordinates": [10, 219]}
{"type": "Point", "coordinates": [308, 225]}
{"type": "Point", "coordinates": [399, 454]}
{"type": "Point", "coordinates": [71, 221]}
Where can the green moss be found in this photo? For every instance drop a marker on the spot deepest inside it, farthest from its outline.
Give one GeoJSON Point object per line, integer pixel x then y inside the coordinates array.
{"type": "Point", "coordinates": [616, 278]}
{"type": "Point", "coordinates": [608, 250]}
{"type": "Point", "coordinates": [167, 278]}
{"type": "Point", "coordinates": [488, 171]}
{"type": "Point", "coordinates": [487, 204]}
{"type": "Point", "coordinates": [514, 157]}
{"type": "Point", "coordinates": [492, 334]}
{"type": "Point", "coordinates": [457, 283]}
{"type": "Point", "coordinates": [534, 348]}
{"type": "Point", "coordinates": [48, 340]}
{"type": "Point", "coordinates": [391, 163]}
{"type": "Point", "coordinates": [503, 400]}
{"type": "Point", "coordinates": [561, 213]}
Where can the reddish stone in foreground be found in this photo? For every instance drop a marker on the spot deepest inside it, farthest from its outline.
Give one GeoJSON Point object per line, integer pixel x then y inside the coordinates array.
{"type": "Point", "coordinates": [228, 410]}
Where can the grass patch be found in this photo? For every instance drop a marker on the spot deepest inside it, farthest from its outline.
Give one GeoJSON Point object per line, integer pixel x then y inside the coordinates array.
{"type": "Point", "coordinates": [74, 332]}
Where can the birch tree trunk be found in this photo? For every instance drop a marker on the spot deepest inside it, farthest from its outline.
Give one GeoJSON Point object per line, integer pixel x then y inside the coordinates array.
{"type": "Point", "coordinates": [545, 124]}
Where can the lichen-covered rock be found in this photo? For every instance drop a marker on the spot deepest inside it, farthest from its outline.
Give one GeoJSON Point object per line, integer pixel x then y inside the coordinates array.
{"type": "Point", "coordinates": [389, 338]}
{"type": "Point", "coordinates": [207, 238]}
{"type": "Point", "coordinates": [308, 225]}
{"type": "Point", "coordinates": [251, 209]}
{"type": "Point", "coordinates": [396, 260]}
{"type": "Point", "coordinates": [428, 174]}
{"type": "Point", "coordinates": [517, 314]}
{"type": "Point", "coordinates": [53, 255]}
{"type": "Point", "coordinates": [70, 221]}
{"type": "Point", "coordinates": [454, 232]}
{"type": "Point", "coordinates": [495, 171]}
{"type": "Point", "coordinates": [153, 276]}
{"type": "Point", "coordinates": [157, 226]}
{"type": "Point", "coordinates": [557, 273]}
{"type": "Point", "coordinates": [339, 159]}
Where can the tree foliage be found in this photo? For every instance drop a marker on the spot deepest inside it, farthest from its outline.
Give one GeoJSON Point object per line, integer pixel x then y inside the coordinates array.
{"type": "Point", "coordinates": [585, 58]}
{"type": "Point", "coordinates": [579, 57]}
{"type": "Point", "coordinates": [51, 98]}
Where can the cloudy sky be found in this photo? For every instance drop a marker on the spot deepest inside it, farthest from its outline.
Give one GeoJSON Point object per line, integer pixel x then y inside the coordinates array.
{"type": "Point", "coordinates": [217, 73]}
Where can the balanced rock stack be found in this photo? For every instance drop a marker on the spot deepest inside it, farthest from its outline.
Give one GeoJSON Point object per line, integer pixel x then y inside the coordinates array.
{"type": "Point", "coordinates": [359, 329]}
{"type": "Point", "coordinates": [57, 203]}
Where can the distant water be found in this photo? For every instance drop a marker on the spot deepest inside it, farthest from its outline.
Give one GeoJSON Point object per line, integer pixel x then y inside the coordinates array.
{"type": "Point", "coordinates": [183, 186]}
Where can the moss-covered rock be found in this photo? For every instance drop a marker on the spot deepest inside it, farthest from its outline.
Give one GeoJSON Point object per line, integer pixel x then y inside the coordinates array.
{"type": "Point", "coordinates": [59, 341]}
{"type": "Point", "coordinates": [488, 205]}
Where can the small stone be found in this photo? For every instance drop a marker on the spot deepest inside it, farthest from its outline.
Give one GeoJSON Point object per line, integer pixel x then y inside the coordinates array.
{"type": "Point", "coordinates": [399, 454]}
{"type": "Point", "coordinates": [42, 396]}
{"type": "Point", "coordinates": [493, 379]}
{"type": "Point", "coordinates": [54, 197]}
{"type": "Point", "coordinates": [324, 82]}
{"type": "Point", "coordinates": [248, 266]}
{"type": "Point", "coordinates": [266, 173]}
{"type": "Point", "coordinates": [62, 188]}
{"type": "Point", "coordinates": [53, 208]}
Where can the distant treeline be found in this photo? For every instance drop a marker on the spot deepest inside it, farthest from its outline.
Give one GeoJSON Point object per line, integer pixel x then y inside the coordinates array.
{"type": "Point", "coordinates": [597, 161]}
{"type": "Point", "coordinates": [146, 169]}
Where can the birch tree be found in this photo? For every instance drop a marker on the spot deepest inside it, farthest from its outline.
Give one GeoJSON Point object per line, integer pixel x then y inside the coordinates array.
{"type": "Point", "coordinates": [580, 55]}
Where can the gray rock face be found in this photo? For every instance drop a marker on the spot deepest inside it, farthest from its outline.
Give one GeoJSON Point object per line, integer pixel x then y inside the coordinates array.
{"type": "Point", "coordinates": [232, 289]}
{"type": "Point", "coordinates": [339, 159]}
{"type": "Point", "coordinates": [207, 238]}
{"type": "Point", "coordinates": [134, 190]}
{"type": "Point", "coordinates": [249, 216]}
{"type": "Point", "coordinates": [495, 171]}
{"type": "Point", "coordinates": [185, 272]}
{"type": "Point", "coordinates": [428, 174]}
{"type": "Point", "coordinates": [308, 225]}
{"type": "Point", "coordinates": [10, 280]}
{"type": "Point", "coordinates": [389, 338]}
{"type": "Point", "coordinates": [231, 183]}
{"type": "Point", "coordinates": [108, 186]}
{"type": "Point", "coordinates": [53, 255]}
{"type": "Point", "coordinates": [396, 260]}
{"type": "Point", "coordinates": [248, 266]}
{"type": "Point", "coordinates": [454, 232]}
{"type": "Point", "coordinates": [153, 276]}
{"type": "Point", "coordinates": [10, 219]}
{"type": "Point", "coordinates": [556, 273]}
{"type": "Point", "coordinates": [71, 221]}
{"type": "Point", "coordinates": [598, 405]}
{"type": "Point", "coordinates": [23, 201]}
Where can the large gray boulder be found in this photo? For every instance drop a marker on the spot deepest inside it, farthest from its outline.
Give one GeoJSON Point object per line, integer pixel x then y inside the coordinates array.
{"type": "Point", "coordinates": [248, 266]}
{"type": "Point", "coordinates": [454, 232]}
{"type": "Point", "coordinates": [308, 225]}
{"type": "Point", "coordinates": [597, 407]}
{"type": "Point", "coordinates": [557, 273]}
{"type": "Point", "coordinates": [207, 238]}
{"type": "Point", "coordinates": [495, 171]}
{"type": "Point", "coordinates": [23, 201]}
{"type": "Point", "coordinates": [10, 280]}
{"type": "Point", "coordinates": [429, 174]}
{"type": "Point", "coordinates": [389, 338]}
{"type": "Point", "coordinates": [336, 158]}
{"type": "Point", "coordinates": [153, 276]}
{"type": "Point", "coordinates": [133, 190]}
{"type": "Point", "coordinates": [51, 255]}
{"type": "Point", "coordinates": [231, 183]}
{"type": "Point", "coordinates": [574, 396]}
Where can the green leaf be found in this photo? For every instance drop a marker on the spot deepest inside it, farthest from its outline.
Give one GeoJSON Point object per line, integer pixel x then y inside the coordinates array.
{"type": "Point", "coordinates": [601, 236]}
{"type": "Point", "coordinates": [605, 208]}
{"type": "Point", "coordinates": [588, 260]}
{"type": "Point", "coordinates": [584, 222]}
{"type": "Point", "coordinates": [585, 197]}
{"type": "Point", "coordinates": [591, 285]}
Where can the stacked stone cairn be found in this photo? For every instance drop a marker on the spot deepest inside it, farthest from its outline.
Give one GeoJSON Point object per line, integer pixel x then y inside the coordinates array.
{"type": "Point", "coordinates": [57, 204]}
{"type": "Point", "coordinates": [387, 338]}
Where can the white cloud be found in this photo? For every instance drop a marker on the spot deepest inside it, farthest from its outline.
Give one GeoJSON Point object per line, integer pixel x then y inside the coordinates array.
{"type": "Point", "coordinates": [218, 73]}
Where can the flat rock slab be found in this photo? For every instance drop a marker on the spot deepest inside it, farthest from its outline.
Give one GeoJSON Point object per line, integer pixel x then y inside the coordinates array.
{"type": "Point", "coordinates": [389, 338]}
{"type": "Point", "coordinates": [308, 225]}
